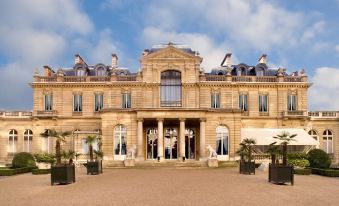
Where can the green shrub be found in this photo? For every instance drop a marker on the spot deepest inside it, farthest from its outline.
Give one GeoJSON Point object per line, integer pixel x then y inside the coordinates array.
{"type": "Point", "coordinates": [23, 159]}
{"type": "Point", "coordinates": [297, 155]}
{"type": "Point", "coordinates": [319, 159]}
{"type": "Point", "coordinates": [41, 171]}
{"type": "Point", "coordinates": [45, 157]}
{"type": "Point", "coordinates": [325, 172]}
{"type": "Point", "coordinates": [302, 171]}
{"type": "Point", "coordinates": [299, 163]}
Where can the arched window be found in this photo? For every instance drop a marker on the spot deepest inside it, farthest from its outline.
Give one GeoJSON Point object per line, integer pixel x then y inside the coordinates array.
{"type": "Point", "coordinates": [189, 143]}
{"type": "Point", "coordinates": [120, 141]}
{"type": "Point", "coordinates": [47, 142]}
{"type": "Point", "coordinates": [152, 143]}
{"type": "Point", "coordinates": [12, 141]}
{"type": "Point", "coordinates": [328, 141]}
{"type": "Point", "coordinates": [171, 89]}
{"type": "Point", "coordinates": [28, 139]}
{"type": "Point", "coordinates": [313, 134]}
{"type": "Point", "coordinates": [222, 140]}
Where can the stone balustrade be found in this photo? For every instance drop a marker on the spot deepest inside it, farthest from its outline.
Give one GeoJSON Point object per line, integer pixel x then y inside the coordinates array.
{"type": "Point", "coordinates": [324, 114]}
{"type": "Point", "coordinates": [7, 114]}
{"type": "Point", "coordinates": [53, 79]}
{"type": "Point", "coordinates": [212, 77]}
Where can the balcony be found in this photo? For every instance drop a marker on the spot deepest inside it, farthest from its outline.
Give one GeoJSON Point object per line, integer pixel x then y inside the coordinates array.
{"type": "Point", "coordinates": [43, 113]}
{"type": "Point", "coordinates": [294, 114]}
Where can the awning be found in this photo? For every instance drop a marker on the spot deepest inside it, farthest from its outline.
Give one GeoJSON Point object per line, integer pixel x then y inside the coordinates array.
{"type": "Point", "coordinates": [264, 136]}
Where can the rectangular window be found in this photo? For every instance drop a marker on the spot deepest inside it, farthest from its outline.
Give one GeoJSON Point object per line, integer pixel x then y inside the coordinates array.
{"type": "Point", "coordinates": [98, 102]}
{"type": "Point", "coordinates": [263, 103]}
{"type": "Point", "coordinates": [77, 103]}
{"type": "Point", "coordinates": [126, 100]}
{"type": "Point", "coordinates": [328, 145]}
{"type": "Point", "coordinates": [48, 102]}
{"type": "Point", "coordinates": [292, 102]}
{"type": "Point", "coordinates": [215, 100]}
{"type": "Point", "coordinates": [243, 102]}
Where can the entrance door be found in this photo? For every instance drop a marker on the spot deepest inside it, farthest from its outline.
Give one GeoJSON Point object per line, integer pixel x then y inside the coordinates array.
{"type": "Point", "coordinates": [152, 143]}
{"type": "Point", "coordinates": [190, 143]}
{"type": "Point", "coordinates": [171, 143]}
{"type": "Point", "coordinates": [120, 141]}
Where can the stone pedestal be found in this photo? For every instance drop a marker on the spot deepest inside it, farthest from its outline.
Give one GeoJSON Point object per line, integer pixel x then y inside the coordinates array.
{"type": "Point", "coordinates": [129, 162]}
{"type": "Point", "coordinates": [212, 162]}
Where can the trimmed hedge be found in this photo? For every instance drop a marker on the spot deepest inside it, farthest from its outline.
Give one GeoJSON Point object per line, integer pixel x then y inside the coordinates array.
{"type": "Point", "coordinates": [302, 171]}
{"type": "Point", "coordinates": [301, 163]}
{"type": "Point", "coordinates": [325, 172]}
{"type": "Point", "coordinates": [14, 171]}
{"type": "Point", "coordinates": [319, 159]}
{"type": "Point", "coordinates": [41, 171]}
{"type": "Point", "coordinates": [23, 159]}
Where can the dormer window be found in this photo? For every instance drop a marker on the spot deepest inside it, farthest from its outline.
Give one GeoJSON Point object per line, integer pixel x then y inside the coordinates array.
{"type": "Point", "coordinates": [80, 72]}
{"type": "Point", "coordinates": [260, 72]}
{"type": "Point", "coordinates": [101, 72]}
{"type": "Point", "coordinates": [241, 71]}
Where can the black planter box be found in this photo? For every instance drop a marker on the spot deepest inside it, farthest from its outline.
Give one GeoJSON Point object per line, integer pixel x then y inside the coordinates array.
{"type": "Point", "coordinates": [281, 174]}
{"type": "Point", "coordinates": [94, 168]}
{"type": "Point", "coordinates": [62, 174]}
{"type": "Point", "coordinates": [247, 167]}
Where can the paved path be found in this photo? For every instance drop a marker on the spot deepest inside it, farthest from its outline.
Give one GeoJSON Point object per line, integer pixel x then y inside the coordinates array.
{"type": "Point", "coordinates": [166, 186]}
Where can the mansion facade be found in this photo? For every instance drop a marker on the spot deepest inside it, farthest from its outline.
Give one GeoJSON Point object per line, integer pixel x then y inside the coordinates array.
{"type": "Point", "coordinates": [171, 109]}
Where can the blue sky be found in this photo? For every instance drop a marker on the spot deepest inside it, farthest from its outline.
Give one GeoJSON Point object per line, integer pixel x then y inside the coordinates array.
{"type": "Point", "coordinates": [294, 35]}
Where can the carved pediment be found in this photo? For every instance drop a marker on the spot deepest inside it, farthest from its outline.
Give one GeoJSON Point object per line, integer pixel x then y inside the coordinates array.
{"type": "Point", "coordinates": [171, 53]}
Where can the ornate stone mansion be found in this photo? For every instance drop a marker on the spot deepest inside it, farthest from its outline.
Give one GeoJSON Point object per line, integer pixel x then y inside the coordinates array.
{"type": "Point", "coordinates": [170, 110]}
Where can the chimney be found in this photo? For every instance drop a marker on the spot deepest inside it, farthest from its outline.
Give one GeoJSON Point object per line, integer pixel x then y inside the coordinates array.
{"type": "Point", "coordinates": [79, 60]}
{"type": "Point", "coordinates": [114, 61]}
{"type": "Point", "coordinates": [48, 71]}
{"type": "Point", "coordinates": [227, 62]}
{"type": "Point", "coordinates": [262, 59]}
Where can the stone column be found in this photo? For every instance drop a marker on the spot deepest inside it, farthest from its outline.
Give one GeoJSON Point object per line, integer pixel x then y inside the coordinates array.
{"type": "Point", "coordinates": [202, 139]}
{"type": "Point", "coordinates": [140, 150]}
{"type": "Point", "coordinates": [182, 140]}
{"type": "Point", "coordinates": [160, 139]}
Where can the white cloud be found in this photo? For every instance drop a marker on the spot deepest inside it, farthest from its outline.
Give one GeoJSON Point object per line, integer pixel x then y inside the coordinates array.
{"type": "Point", "coordinates": [337, 46]}
{"type": "Point", "coordinates": [211, 52]}
{"type": "Point", "coordinates": [253, 24]}
{"type": "Point", "coordinates": [32, 34]}
{"type": "Point", "coordinates": [323, 93]}
{"type": "Point", "coordinates": [314, 30]}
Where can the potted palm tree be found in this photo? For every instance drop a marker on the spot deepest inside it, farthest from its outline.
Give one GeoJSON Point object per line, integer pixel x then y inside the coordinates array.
{"type": "Point", "coordinates": [94, 166]}
{"type": "Point", "coordinates": [247, 166]}
{"type": "Point", "coordinates": [282, 173]}
{"type": "Point", "coordinates": [62, 173]}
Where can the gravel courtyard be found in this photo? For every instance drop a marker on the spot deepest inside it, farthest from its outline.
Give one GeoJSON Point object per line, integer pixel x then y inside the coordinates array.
{"type": "Point", "coordinates": [168, 186]}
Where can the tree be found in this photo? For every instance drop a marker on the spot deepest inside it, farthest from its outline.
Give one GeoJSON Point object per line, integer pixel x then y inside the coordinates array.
{"type": "Point", "coordinates": [90, 140]}
{"type": "Point", "coordinates": [245, 150]}
{"type": "Point", "coordinates": [274, 151]}
{"type": "Point", "coordinates": [60, 137]}
{"type": "Point", "coordinates": [285, 138]}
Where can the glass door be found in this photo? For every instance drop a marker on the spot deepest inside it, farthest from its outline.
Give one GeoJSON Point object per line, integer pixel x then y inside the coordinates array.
{"type": "Point", "coordinates": [171, 143]}
{"type": "Point", "coordinates": [189, 143]}
{"type": "Point", "coordinates": [152, 143]}
{"type": "Point", "coordinates": [120, 142]}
